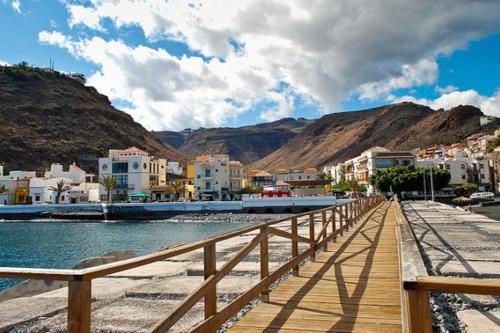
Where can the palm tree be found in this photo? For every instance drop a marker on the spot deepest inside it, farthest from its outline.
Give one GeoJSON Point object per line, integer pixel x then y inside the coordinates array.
{"type": "Point", "coordinates": [3, 189]}
{"type": "Point", "coordinates": [108, 182]}
{"type": "Point", "coordinates": [60, 188]}
{"type": "Point", "coordinates": [176, 187]}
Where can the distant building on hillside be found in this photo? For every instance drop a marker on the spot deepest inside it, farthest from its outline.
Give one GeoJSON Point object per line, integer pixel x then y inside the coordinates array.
{"type": "Point", "coordinates": [217, 177]}
{"type": "Point", "coordinates": [174, 168]}
{"type": "Point", "coordinates": [296, 174]}
{"type": "Point", "coordinates": [260, 178]}
{"type": "Point", "coordinates": [134, 170]}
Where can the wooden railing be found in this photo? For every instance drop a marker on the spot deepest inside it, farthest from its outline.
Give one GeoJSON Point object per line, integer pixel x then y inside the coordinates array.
{"type": "Point", "coordinates": [79, 281]}
{"type": "Point", "coordinates": [416, 283]}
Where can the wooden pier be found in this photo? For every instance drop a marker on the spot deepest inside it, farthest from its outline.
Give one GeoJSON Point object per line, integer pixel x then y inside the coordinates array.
{"type": "Point", "coordinates": [354, 286]}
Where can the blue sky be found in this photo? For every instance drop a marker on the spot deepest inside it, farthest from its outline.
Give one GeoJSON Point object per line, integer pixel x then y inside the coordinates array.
{"type": "Point", "coordinates": [171, 73]}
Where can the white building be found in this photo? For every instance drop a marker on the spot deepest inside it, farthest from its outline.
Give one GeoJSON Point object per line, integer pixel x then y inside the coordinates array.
{"type": "Point", "coordinates": [305, 174]}
{"type": "Point", "coordinates": [463, 169]}
{"type": "Point", "coordinates": [134, 170]}
{"type": "Point", "coordinates": [75, 173]}
{"type": "Point", "coordinates": [174, 168]}
{"type": "Point", "coordinates": [362, 167]}
{"type": "Point", "coordinates": [217, 178]}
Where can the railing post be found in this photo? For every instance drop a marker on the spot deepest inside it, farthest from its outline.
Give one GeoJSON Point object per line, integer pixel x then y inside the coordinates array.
{"type": "Point", "coordinates": [419, 311]}
{"type": "Point", "coordinates": [79, 306]}
{"type": "Point", "coordinates": [295, 245]}
{"type": "Point", "coordinates": [323, 222]}
{"type": "Point", "coordinates": [209, 263]}
{"type": "Point", "coordinates": [351, 217]}
{"type": "Point", "coordinates": [347, 221]}
{"type": "Point", "coordinates": [312, 236]}
{"type": "Point", "coordinates": [264, 263]}
{"type": "Point", "coordinates": [341, 224]}
{"type": "Point", "coordinates": [334, 222]}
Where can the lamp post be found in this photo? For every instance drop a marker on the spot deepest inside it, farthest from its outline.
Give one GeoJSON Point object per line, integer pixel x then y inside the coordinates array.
{"type": "Point", "coordinates": [432, 185]}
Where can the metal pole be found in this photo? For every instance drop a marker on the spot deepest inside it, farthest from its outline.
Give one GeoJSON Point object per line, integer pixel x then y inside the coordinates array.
{"type": "Point", "coordinates": [425, 186]}
{"type": "Point", "coordinates": [432, 186]}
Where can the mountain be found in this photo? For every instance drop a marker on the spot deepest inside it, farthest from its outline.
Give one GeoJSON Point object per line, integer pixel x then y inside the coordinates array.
{"type": "Point", "coordinates": [337, 137]}
{"type": "Point", "coordinates": [47, 117]}
{"type": "Point", "coordinates": [246, 144]}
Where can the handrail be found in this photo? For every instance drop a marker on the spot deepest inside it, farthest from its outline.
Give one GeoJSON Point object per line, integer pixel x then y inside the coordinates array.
{"type": "Point", "coordinates": [79, 280]}
{"type": "Point", "coordinates": [416, 283]}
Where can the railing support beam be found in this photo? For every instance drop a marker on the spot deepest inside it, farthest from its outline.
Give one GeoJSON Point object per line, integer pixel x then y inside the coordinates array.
{"type": "Point", "coordinates": [79, 306]}
{"type": "Point", "coordinates": [295, 245]}
{"type": "Point", "coordinates": [209, 263]}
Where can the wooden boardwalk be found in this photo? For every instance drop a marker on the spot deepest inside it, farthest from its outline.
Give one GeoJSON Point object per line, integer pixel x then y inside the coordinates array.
{"type": "Point", "coordinates": [352, 287]}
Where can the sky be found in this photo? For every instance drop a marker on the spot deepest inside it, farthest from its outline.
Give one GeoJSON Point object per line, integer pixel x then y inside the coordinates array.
{"type": "Point", "coordinates": [175, 64]}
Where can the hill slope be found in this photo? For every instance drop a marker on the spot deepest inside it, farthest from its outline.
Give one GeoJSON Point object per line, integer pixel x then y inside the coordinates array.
{"type": "Point", "coordinates": [47, 117]}
{"type": "Point", "coordinates": [246, 144]}
{"type": "Point", "coordinates": [336, 137]}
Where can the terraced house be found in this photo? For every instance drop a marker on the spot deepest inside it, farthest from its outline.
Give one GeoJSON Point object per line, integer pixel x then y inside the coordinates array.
{"type": "Point", "coordinates": [217, 177]}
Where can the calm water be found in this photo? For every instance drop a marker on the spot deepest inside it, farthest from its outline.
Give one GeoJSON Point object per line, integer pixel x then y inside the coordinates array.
{"type": "Point", "coordinates": [61, 245]}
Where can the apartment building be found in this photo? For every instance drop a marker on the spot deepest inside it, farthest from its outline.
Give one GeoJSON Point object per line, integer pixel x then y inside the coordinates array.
{"type": "Point", "coordinates": [297, 174]}
{"type": "Point", "coordinates": [217, 177]}
{"type": "Point", "coordinates": [134, 170]}
{"type": "Point", "coordinates": [362, 167]}
{"type": "Point", "coordinates": [462, 168]}
{"type": "Point", "coordinates": [174, 168]}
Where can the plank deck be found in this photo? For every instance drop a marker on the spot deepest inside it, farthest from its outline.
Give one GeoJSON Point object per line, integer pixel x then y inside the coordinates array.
{"type": "Point", "coordinates": [354, 286]}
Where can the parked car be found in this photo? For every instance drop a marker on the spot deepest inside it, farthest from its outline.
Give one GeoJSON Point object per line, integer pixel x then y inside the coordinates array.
{"type": "Point", "coordinates": [483, 196]}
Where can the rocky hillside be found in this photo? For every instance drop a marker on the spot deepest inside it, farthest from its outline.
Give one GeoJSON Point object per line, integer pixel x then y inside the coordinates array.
{"type": "Point", "coordinates": [246, 144]}
{"type": "Point", "coordinates": [340, 136]}
{"type": "Point", "coordinates": [48, 117]}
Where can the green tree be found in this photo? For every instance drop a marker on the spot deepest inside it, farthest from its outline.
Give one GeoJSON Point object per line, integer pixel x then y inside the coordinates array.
{"type": "Point", "coordinates": [323, 176]}
{"type": "Point", "coordinates": [3, 189]}
{"type": "Point", "coordinates": [465, 190]}
{"type": "Point", "coordinates": [177, 188]}
{"type": "Point", "coordinates": [60, 188]}
{"type": "Point", "coordinates": [408, 178]}
{"type": "Point", "coordinates": [349, 186]}
{"type": "Point", "coordinates": [250, 189]}
{"type": "Point", "coordinates": [108, 182]}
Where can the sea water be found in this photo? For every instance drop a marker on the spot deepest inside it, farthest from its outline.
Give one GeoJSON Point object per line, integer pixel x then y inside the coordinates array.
{"type": "Point", "coordinates": [56, 244]}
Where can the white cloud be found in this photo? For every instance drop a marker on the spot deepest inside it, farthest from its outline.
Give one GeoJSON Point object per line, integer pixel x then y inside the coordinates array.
{"type": "Point", "coordinates": [3, 63]}
{"type": "Point", "coordinates": [445, 90]}
{"type": "Point", "coordinates": [283, 106]}
{"type": "Point", "coordinates": [490, 105]}
{"type": "Point", "coordinates": [16, 5]}
{"type": "Point", "coordinates": [323, 51]}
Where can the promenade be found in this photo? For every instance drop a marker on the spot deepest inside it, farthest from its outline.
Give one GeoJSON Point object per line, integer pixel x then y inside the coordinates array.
{"type": "Point", "coordinates": [354, 286]}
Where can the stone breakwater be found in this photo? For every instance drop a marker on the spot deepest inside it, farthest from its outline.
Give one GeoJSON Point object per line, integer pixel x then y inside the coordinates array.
{"type": "Point", "coordinates": [133, 300]}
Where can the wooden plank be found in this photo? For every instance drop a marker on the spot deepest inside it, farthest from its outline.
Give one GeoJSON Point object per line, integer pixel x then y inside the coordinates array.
{"type": "Point", "coordinates": [79, 304]}
{"type": "Point", "coordinates": [324, 225]}
{"type": "Point", "coordinates": [419, 313]}
{"type": "Point", "coordinates": [209, 263]}
{"type": "Point", "coordinates": [459, 285]}
{"type": "Point", "coordinates": [285, 234]}
{"type": "Point", "coordinates": [264, 263]}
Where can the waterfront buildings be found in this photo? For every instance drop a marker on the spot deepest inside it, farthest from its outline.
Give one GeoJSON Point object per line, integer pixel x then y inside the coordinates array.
{"type": "Point", "coordinates": [134, 170]}
{"type": "Point", "coordinates": [25, 187]}
{"type": "Point", "coordinates": [260, 178]}
{"type": "Point", "coordinates": [296, 174]}
{"type": "Point", "coordinates": [217, 177]}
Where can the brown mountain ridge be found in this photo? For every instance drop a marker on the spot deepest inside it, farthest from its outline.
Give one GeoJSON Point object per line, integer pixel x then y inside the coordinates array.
{"type": "Point", "coordinates": [48, 117]}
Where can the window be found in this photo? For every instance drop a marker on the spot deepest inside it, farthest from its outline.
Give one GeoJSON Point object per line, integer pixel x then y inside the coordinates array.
{"type": "Point", "coordinates": [207, 173]}
{"type": "Point", "coordinates": [207, 185]}
{"type": "Point", "coordinates": [62, 197]}
{"type": "Point", "coordinates": [482, 176]}
{"type": "Point", "coordinates": [198, 176]}
{"type": "Point", "coordinates": [463, 176]}
{"type": "Point", "coordinates": [216, 170]}
{"type": "Point", "coordinates": [120, 167]}
{"type": "Point", "coordinates": [447, 167]}
{"type": "Point", "coordinates": [37, 198]}
{"type": "Point", "coordinates": [462, 166]}
{"type": "Point", "coordinates": [121, 181]}
{"type": "Point", "coordinates": [386, 163]}
{"type": "Point", "coordinates": [481, 166]}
